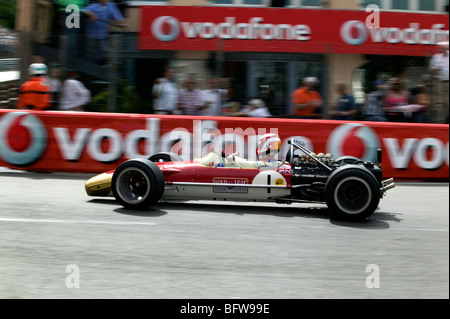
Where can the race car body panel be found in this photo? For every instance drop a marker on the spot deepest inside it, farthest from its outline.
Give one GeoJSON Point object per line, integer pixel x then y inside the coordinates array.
{"type": "Point", "coordinates": [100, 185]}
{"type": "Point", "coordinates": [191, 180]}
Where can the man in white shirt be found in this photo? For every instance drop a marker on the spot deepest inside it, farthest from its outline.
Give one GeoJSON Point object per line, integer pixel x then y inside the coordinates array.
{"type": "Point", "coordinates": [212, 99]}
{"type": "Point", "coordinates": [74, 95]}
{"type": "Point", "coordinates": [165, 93]}
{"type": "Point", "coordinates": [439, 66]}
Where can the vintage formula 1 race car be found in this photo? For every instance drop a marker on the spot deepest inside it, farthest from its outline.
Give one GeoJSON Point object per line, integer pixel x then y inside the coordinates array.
{"type": "Point", "coordinates": [351, 188]}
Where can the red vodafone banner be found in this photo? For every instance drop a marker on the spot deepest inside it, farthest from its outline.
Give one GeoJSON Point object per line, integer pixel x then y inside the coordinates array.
{"type": "Point", "coordinates": [290, 30]}
{"type": "Point", "coordinates": [98, 142]}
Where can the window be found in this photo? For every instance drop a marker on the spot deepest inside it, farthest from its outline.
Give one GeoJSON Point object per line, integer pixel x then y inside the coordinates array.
{"type": "Point", "coordinates": [365, 3]}
{"type": "Point", "coordinates": [426, 5]}
{"type": "Point", "coordinates": [400, 4]}
{"type": "Point", "coordinates": [254, 2]}
{"type": "Point", "coordinates": [302, 3]}
{"type": "Point", "coordinates": [311, 3]}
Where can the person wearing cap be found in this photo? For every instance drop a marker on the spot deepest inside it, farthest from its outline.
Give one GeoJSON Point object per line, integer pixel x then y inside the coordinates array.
{"type": "Point", "coordinates": [74, 95]}
{"type": "Point", "coordinates": [256, 108]}
{"type": "Point", "coordinates": [35, 93]}
{"type": "Point", "coordinates": [306, 101]}
{"type": "Point", "coordinates": [439, 67]}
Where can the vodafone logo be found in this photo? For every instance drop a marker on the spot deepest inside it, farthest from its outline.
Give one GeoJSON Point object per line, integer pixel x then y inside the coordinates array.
{"type": "Point", "coordinates": [354, 32]}
{"type": "Point", "coordinates": [354, 139]}
{"type": "Point", "coordinates": [23, 138]}
{"type": "Point", "coordinates": [166, 28]}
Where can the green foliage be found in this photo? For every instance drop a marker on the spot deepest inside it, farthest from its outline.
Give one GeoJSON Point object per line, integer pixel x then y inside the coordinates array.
{"type": "Point", "coordinates": [7, 13]}
{"type": "Point", "coordinates": [127, 101]}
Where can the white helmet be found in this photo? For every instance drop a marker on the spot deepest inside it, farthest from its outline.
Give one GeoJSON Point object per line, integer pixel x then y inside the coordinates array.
{"type": "Point", "coordinates": [37, 69]}
{"type": "Point", "coordinates": [268, 145]}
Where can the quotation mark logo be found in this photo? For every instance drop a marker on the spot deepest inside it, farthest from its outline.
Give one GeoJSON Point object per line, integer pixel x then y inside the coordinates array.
{"type": "Point", "coordinates": [166, 28]}
{"type": "Point", "coordinates": [23, 138]}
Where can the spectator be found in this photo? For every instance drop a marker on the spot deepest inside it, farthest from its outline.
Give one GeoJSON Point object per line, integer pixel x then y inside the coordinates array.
{"type": "Point", "coordinates": [74, 95]}
{"type": "Point", "coordinates": [35, 93]}
{"type": "Point", "coordinates": [396, 97]}
{"type": "Point", "coordinates": [346, 106]}
{"type": "Point", "coordinates": [55, 85]}
{"type": "Point", "coordinates": [440, 71]}
{"type": "Point", "coordinates": [255, 108]}
{"type": "Point", "coordinates": [373, 106]}
{"type": "Point", "coordinates": [306, 101]}
{"type": "Point", "coordinates": [231, 103]}
{"type": "Point", "coordinates": [190, 101]}
{"type": "Point", "coordinates": [165, 93]}
{"type": "Point", "coordinates": [422, 98]}
{"type": "Point", "coordinates": [97, 29]}
{"type": "Point", "coordinates": [212, 99]}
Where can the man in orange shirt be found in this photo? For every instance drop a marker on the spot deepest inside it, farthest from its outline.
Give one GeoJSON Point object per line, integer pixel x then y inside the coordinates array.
{"type": "Point", "coordinates": [306, 101]}
{"type": "Point", "coordinates": [35, 93]}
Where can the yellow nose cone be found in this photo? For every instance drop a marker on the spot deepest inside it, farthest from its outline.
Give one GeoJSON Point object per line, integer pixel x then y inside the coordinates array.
{"type": "Point", "coordinates": [99, 185]}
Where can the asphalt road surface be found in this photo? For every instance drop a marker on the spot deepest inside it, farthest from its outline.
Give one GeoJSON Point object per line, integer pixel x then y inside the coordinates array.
{"type": "Point", "coordinates": [56, 242]}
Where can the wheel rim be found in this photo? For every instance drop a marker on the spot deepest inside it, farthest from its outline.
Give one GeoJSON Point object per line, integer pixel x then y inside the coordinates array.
{"type": "Point", "coordinates": [133, 185]}
{"type": "Point", "coordinates": [352, 195]}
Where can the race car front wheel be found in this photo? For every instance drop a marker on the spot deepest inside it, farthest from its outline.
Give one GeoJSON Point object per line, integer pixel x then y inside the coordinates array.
{"type": "Point", "coordinates": [138, 184]}
{"type": "Point", "coordinates": [352, 193]}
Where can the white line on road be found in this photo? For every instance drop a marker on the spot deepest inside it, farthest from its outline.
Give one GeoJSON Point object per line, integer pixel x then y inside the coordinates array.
{"type": "Point", "coordinates": [61, 221]}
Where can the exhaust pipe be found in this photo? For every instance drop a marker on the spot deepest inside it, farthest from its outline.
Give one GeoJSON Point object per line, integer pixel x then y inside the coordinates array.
{"type": "Point", "coordinates": [387, 185]}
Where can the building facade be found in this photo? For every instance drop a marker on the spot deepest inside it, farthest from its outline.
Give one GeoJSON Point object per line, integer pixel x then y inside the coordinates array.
{"type": "Point", "coordinates": [266, 47]}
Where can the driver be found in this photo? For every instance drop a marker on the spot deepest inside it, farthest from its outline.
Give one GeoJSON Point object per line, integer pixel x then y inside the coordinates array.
{"type": "Point", "coordinates": [268, 147]}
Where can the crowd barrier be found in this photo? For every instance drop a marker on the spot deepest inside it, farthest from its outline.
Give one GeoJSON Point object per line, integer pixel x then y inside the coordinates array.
{"type": "Point", "coordinates": [81, 142]}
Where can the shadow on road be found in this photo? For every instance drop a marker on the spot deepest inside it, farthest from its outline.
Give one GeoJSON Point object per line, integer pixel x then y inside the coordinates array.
{"type": "Point", "coordinates": [379, 220]}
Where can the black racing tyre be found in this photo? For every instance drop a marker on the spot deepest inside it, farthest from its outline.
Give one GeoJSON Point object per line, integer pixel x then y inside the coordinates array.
{"type": "Point", "coordinates": [347, 159]}
{"type": "Point", "coordinates": [352, 193]}
{"type": "Point", "coordinates": [138, 184]}
{"type": "Point", "coordinates": [165, 157]}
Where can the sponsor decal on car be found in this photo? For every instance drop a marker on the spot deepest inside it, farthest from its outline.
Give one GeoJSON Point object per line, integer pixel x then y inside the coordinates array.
{"type": "Point", "coordinates": [231, 181]}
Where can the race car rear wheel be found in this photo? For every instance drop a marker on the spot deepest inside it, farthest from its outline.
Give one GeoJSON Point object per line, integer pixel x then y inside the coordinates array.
{"type": "Point", "coordinates": [352, 193]}
{"type": "Point", "coordinates": [347, 159]}
{"type": "Point", "coordinates": [138, 184]}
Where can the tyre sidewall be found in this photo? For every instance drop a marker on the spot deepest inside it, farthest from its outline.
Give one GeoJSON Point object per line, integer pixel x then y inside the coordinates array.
{"type": "Point", "coordinates": [154, 175]}
{"type": "Point", "coordinates": [349, 173]}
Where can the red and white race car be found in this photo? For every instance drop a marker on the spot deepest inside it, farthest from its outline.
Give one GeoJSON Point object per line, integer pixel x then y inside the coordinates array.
{"type": "Point", "coordinates": [351, 188]}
